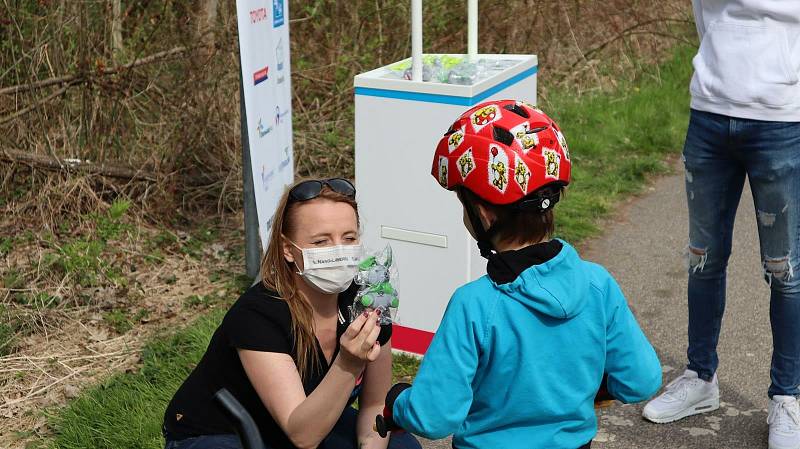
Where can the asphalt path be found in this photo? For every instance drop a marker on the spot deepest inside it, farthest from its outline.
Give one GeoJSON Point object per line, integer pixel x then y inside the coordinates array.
{"type": "Point", "coordinates": [644, 250]}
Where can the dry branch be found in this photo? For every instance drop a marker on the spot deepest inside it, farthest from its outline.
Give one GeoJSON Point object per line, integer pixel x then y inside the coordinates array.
{"type": "Point", "coordinates": [113, 170]}
{"type": "Point", "coordinates": [36, 104]}
{"type": "Point", "coordinates": [633, 29]}
{"type": "Point", "coordinates": [160, 56]}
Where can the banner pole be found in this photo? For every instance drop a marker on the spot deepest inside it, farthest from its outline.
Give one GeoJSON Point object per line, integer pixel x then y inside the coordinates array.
{"type": "Point", "coordinates": [416, 40]}
{"type": "Point", "coordinates": [252, 248]}
{"type": "Point", "coordinates": [472, 29]}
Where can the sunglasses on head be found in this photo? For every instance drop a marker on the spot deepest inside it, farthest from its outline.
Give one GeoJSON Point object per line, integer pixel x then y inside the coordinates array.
{"type": "Point", "coordinates": [308, 190]}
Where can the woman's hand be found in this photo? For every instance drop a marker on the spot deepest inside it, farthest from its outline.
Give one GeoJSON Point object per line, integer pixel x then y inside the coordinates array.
{"type": "Point", "coordinates": [359, 343]}
{"type": "Point", "coordinates": [306, 420]}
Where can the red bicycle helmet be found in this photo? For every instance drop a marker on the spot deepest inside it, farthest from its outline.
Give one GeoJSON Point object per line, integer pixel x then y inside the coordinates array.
{"type": "Point", "coordinates": [503, 151]}
{"type": "Point", "coordinates": [507, 153]}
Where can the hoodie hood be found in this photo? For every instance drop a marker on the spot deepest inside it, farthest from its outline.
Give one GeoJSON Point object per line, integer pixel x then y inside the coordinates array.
{"type": "Point", "coordinates": [557, 288]}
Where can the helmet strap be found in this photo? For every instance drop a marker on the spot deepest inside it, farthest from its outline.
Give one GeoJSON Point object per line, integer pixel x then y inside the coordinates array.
{"type": "Point", "coordinates": [482, 235]}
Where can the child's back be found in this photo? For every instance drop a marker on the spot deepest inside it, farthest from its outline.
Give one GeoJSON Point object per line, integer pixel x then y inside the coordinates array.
{"type": "Point", "coordinates": [520, 354]}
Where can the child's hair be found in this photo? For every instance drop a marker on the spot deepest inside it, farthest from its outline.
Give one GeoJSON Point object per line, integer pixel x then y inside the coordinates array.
{"type": "Point", "coordinates": [277, 274]}
{"type": "Point", "coordinates": [514, 225]}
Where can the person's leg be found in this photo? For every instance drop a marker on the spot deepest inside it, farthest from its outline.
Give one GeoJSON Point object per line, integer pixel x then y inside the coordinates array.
{"type": "Point", "coordinates": [714, 182]}
{"type": "Point", "coordinates": [772, 153]}
{"type": "Point", "coordinates": [344, 435]}
{"type": "Point", "coordinates": [206, 442]}
{"type": "Point", "coordinates": [403, 440]}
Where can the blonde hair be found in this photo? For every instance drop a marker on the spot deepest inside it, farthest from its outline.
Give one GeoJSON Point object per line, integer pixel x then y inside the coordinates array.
{"type": "Point", "coordinates": [278, 274]}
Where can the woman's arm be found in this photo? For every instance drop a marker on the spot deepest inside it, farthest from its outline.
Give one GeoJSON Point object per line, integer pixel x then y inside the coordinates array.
{"type": "Point", "coordinates": [307, 420]}
{"type": "Point", "coordinates": [377, 379]}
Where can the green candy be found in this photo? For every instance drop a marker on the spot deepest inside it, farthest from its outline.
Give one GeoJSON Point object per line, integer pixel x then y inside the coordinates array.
{"type": "Point", "coordinates": [367, 263]}
{"type": "Point", "coordinates": [367, 300]}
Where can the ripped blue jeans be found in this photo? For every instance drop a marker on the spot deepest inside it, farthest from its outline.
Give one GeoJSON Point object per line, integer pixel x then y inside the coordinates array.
{"type": "Point", "coordinates": [719, 153]}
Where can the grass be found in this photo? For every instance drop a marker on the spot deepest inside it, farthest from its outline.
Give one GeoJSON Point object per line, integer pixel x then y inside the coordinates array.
{"type": "Point", "coordinates": [126, 410]}
{"type": "Point", "coordinates": [7, 332]}
{"type": "Point", "coordinates": [616, 142]}
{"type": "Point", "coordinates": [85, 258]}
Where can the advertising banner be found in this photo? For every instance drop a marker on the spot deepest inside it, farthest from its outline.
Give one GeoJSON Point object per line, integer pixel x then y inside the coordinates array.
{"type": "Point", "coordinates": [264, 54]}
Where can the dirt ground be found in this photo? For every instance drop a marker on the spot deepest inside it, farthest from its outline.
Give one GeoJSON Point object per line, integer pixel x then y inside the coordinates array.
{"type": "Point", "coordinates": [61, 349]}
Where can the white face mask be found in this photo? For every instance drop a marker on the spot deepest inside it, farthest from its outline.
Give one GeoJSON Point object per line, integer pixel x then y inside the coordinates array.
{"type": "Point", "coordinates": [330, 269]}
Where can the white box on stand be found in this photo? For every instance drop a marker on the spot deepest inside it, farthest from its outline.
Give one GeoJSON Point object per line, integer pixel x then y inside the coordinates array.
{"type": "Point", "coordinates": [397, 126]}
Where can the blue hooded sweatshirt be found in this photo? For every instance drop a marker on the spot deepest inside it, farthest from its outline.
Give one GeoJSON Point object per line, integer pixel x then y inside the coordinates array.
{"type": "Point", "coordinates": [518, 365]}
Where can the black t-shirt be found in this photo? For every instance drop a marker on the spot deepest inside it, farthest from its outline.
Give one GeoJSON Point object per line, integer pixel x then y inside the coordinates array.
{"type": "Point", "coordinates": [259, 321]}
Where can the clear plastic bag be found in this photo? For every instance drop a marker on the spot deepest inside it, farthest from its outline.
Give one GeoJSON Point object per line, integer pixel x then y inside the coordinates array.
{"type": "Point", "coordinates": [452, 69]}
{"type": "Point", "coordinates": [376, 275]}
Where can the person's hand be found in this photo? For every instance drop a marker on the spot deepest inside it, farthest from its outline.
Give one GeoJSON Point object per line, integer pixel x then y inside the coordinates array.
{"type": "Point", "coordinates": [603, 398]}
{"type": "Point", "coordinates": [359, 343]}
{"type": "Point", "coordinates": [385, 423]}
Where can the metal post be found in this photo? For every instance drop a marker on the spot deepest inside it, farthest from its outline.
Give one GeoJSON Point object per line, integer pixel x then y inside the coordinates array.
{"type": "Point", "coordinates": [252, 248]}
{"type": "Point", "coordinates": [472, 29]}
{"type": "Point", "coordinates": [416, 40]}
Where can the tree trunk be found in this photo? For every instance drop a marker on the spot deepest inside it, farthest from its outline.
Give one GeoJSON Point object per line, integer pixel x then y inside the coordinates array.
{"type": "Point", "coordinates": [207, 21]}
{"type": "Point", "coordinates": [116, 30]}
{"type": "Point", "coordinates": [111, 169]}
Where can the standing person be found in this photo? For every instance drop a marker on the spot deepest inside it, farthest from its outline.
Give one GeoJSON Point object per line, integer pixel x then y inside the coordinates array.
{"type": "Point", "coordinates": [286, 349]}
{"type": "Point", "coordinates": [745, 111]}
{"type": "Point", "coordinates": [521, 353]}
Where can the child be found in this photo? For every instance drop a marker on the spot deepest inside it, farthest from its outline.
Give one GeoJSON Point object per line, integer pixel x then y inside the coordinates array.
{"type": "Point", "coordinates": [521, 353]}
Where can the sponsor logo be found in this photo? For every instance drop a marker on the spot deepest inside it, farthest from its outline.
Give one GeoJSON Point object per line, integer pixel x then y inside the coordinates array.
{"type": "Point", "coordinates": [333, 260]}
{"type": "Point", "coordinates": [498, 168]}
{"type": "Point", "coordinates": [258, 15]}
{"type": "Point", "coordinates": [263, 130]}
{"type": "Point", "coordinates": [266, 177]}
{"type": "Point", "coordinates": [260, 75]}
{"type": "Point", "coordinates": [279, 54]}
{"type": "Point", "coordinates": [280, 117]}
{"type": "Point", "coordinates": [277, 13]}
{"type": "Point", "coordinates": [279, 59]}
{"type": "Point", "coordinates": [287, 158]}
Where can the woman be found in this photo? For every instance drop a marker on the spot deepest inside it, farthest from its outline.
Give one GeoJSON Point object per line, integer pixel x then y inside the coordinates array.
{"type": "Point", "coordinates": [286, 349]}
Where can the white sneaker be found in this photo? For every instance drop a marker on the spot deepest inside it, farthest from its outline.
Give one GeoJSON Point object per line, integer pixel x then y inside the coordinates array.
{"type": "Point", "coordinates": [685, 396]}
{"type": "Point", "coordinates": [784, 423]}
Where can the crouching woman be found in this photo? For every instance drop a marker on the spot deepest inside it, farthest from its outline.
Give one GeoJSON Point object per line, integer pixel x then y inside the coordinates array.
{"type": "Point", "coordinates": [287, 350]}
